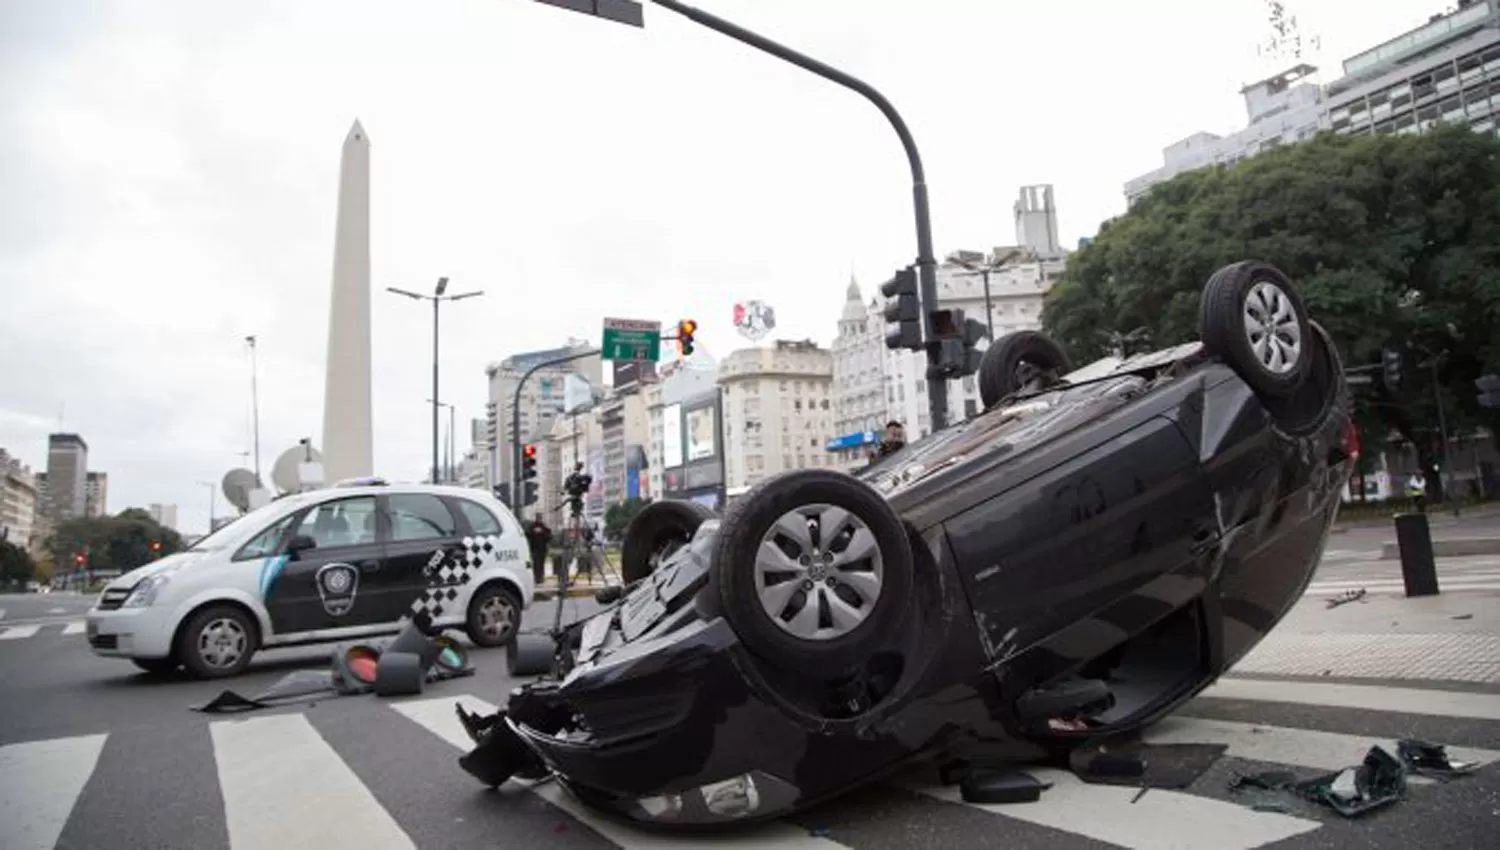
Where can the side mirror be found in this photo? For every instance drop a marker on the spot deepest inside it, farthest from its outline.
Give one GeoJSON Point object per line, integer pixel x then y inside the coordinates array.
{"type": "Point", "coordinates": [301, 542]}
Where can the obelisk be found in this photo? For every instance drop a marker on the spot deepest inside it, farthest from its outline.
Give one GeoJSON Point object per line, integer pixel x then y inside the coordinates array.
{"type": "Point", "coordinates": [347, 442]}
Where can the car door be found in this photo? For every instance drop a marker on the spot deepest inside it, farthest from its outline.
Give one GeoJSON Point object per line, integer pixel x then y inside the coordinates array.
{"type": "Point", "coordinates": [425, 536]}
{"type": "Point", "coordinates": [333, 574]}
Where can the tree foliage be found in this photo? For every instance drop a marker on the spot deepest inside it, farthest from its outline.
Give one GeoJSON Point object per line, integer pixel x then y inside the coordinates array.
{"type": "Point", "coordinates": [619, 515]}
{"type": "Point", "coordinates": [1393, 241]}
{"type": "Point", "coordinates": [121, 542]}
{"type": "Point", "coordinates": [16, 566]}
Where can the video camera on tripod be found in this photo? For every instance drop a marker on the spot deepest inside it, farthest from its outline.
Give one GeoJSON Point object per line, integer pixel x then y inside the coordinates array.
{"type": "Point", "coordinates": [576, 485]}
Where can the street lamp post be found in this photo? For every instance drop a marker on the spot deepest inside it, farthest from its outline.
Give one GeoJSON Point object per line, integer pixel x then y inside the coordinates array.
{"type": "Point", "coordinates": [437, 297]}
{"type": "Point", "coordinates": [212, 488]}
{"type": "Point", "coordinates": [255, 407]}
{"type": "Point", "coordinates": [516, 496]}
{"type": "Point", "coordinates": [448, 455]}
{"type": "Point", "coordinates": [989, 317]}
{"type": "Point", "coordinates": [629, 12]}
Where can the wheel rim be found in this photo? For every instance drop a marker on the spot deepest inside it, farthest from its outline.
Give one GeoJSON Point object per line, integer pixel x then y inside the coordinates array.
{"type": "Point", "coordinates": [1272, 329]}
{"type": "Point", "coordinates": [818, 572]}
{"type": "Point", "coordinates": [222, 643]}
{"type": "Point", "coordinates": [496, 617]}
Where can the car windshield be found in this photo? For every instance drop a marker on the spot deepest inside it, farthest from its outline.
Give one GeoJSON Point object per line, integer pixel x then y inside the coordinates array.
{"type": "Point", "coordinates": [217, 538]}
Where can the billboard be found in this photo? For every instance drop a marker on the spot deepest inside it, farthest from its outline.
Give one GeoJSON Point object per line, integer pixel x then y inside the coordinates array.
{"type": "Point", "coordinates": [671, 436]}
{"type": "Point", "coordinates": [702, 433]}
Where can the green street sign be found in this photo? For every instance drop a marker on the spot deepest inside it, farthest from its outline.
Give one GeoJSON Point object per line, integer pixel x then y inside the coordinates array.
{"type": "Point", "coordinates": [631, 339]}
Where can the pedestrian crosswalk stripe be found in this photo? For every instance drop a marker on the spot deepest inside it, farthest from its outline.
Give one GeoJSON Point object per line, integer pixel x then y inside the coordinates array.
{"type": "Point", "coordinates": [1285, 745]}
{"type": "Point", "coordinates": [284, 786]}
{"type": "Point", "coordinates": [1161, 818]}
{"type": "Point", "coordinates": [1397, 585]}
{"type": "Point", "coordinates": [439, 717]}
{"type": "Point", "coordinates": [1475, 706]}
{"type": "Point", "coordinates": [13, 632]}
{"type": "Point", "coordinates": [39, 782]}
{"type": "Point", "coordinates": [75, 628]}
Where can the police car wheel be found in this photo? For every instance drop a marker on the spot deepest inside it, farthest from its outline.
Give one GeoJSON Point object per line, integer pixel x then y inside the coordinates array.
{"type": "Point", "coordinates": [494, 616]}
{"type": "Point", "coordinates": [217, 642]}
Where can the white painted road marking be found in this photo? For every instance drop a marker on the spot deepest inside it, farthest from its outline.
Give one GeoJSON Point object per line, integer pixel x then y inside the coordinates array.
{"type": "Point", "coordinates": [1159, 820]}
{"type": "Point", "coordinates": [439, 717]}
{"type": "Point", "coordinates": [77, 627]}
{"type": "Point", "coordinates": [284, 786]}
{"type": "Point", "coordinates": [14, 632]}
{"type": "Point", "coordinates": [1369, 697]}
{"type": "Point", "coordinates": [39, 783]}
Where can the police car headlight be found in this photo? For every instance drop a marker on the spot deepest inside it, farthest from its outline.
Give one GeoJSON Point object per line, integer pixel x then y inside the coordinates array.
{"type": "Point", "coordinates": [145, 592]}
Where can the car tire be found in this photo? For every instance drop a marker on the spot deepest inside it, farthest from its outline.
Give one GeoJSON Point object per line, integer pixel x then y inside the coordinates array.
{"type": "Point", "coordinates": [658, 530]}
{"type": "Point", "coordinates": [762, 532]}
{"type": "Point", "coordinates": [1252, 318]}
{"type": "Point", "coordinates": [218, 642]}
{"type": "Point", "coordinates": [156, 666]}
{"type": "Point", "coordinates": [1004, 367]}
{"type": "Point", "coordinates": [494, 616]}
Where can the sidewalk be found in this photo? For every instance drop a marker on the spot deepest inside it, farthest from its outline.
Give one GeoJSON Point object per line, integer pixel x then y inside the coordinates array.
{"type": "Point", "coordinates": [1449, 637]}
{"type": "Point", "coordinates": [577, 587]}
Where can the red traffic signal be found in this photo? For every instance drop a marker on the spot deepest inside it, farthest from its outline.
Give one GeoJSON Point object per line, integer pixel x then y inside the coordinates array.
{"type": "Point", "coordinates": [530, 450]}
{"type": "Point", "coordinates": [528, 462]}
{"type": "Point", "coordinates": [78, 559]}
{"type": "Point", "coordinates": [685, 330]}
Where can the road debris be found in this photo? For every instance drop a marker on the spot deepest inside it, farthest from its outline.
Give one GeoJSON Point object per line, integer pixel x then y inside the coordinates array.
{"type": "Point", "coordinates": [1347, 597]}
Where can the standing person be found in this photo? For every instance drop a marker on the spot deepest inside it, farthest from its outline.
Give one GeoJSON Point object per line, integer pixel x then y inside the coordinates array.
{"type": "Point", "coordinates": [893, 440]}
{"type": "Point", "coordinates": [539, 536]}
{"type": "Point", "coordinates": [1416, 489]}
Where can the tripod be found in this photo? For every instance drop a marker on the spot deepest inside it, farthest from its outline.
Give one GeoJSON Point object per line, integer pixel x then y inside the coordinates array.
{"type": "Point", "coordinates": [566, 639]}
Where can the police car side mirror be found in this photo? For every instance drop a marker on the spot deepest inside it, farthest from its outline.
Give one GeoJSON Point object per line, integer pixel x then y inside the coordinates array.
{"type": "Point", "coordinates": [300, 543]}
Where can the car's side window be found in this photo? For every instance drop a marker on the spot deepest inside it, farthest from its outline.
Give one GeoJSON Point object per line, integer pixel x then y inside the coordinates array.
{"type": "Point", "coordinates": [342, 522]}
{"type": "Point", "coordinates": [265, 543]}
{"type": "Point", "coordinates": [419, 516]}
{"type": "Point", "coordinates": [480, 520]}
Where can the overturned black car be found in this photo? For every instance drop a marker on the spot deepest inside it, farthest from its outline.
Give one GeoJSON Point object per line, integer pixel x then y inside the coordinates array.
{"type": "Point", "coordinates": [1079, 560]}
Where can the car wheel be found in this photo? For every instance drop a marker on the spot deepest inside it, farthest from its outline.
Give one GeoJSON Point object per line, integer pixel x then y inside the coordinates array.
{"type": "Point", "coordinates": [1014, 360]}
{"type": "Point", "coordinates": [1252, 318]}
{"type": "Point", "coordinates": [494, 616]}
{"type": "Point", "coordinates": [156, 666]}
{"type": "Point", "coordinates": [814, 570]}
{"type": "Point", "coordinates": [660, 529]}
{"type": "Point", "coordinates": [218, 642]}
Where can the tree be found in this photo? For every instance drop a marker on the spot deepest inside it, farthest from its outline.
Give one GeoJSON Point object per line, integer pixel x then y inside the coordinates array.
{"type": "Point", "coordinates": [1393, 241]}
{"type": "Point", "coordinates": [619, 515]}
{"type": "Point", "coordinates": [121, 542]}
{"type": "Point", "coordinates": [16, 566]}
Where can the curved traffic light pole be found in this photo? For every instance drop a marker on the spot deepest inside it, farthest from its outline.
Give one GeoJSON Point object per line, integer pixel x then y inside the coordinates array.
{"type": "Point", "coordinates": [628, 12]}
{"type": "Point", "coordinates": [515, 423]}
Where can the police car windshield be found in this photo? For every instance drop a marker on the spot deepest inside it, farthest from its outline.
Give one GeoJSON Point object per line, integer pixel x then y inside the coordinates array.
{"type": "Point", "coordinates": [216, 539]}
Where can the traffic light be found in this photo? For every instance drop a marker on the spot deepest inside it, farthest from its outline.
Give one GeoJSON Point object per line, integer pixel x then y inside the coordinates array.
{"type": "Point", "coordinates": [502, 492]}
{"type": "Point", "coordinates": [957, 338]}
{"type": "Point", "coordinates": [79, 560]}
{"type": "Point", "coordinates": [1489, 390]}
{"type": "Point", "coordinates": [529, 493]}
{"type": "Point", "coordinates": [156, 548]}
{"type": "Point", "coordinates": [528, 461]}
{"type": "Point", "coordinates": [1390, 362]}
{"type": "Point", "coordinates": [685, 330]}
{"type": "Point", "coordinates": [902, 310]}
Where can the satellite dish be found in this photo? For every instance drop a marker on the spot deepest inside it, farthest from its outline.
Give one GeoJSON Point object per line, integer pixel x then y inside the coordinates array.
{"type": "Point", "coordinates": [237, 486]}
{"type": "Point", "coordinates": [286, 472]}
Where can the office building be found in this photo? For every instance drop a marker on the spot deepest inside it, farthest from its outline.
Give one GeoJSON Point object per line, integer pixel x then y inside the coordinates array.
{"type": "Point", "coordinates": [96, 500]}
{"type": "Point", "coordinates": [165, 515]}
{"type": "Point", "coordinates": [67, 477]}
{"type": "Point", "coordinates": [18, 501]}
{"type": "Point", "coordinates": [777, 412]}
{"type": "Point", "coordinates": [541, 400]}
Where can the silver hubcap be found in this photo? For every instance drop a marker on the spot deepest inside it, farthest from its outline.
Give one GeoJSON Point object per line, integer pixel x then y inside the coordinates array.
{"type": "Point", "coordinates": [222, 643]}
{"type": "Point", "coordinates": [1271, 326]}
{"type": "Point", "coordinates": [496, 617]}
{"type": "Point", "coordinates": [818, 572]}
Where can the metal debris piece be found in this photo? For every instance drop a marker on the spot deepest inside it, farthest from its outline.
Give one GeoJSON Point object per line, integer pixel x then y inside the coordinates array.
{"type": "Point", "coordinates": [1463, 616]}
{"type": "Point", "coordinates": [1431, 760]}
{"type": "Point", "coordinates": [1379, 781]}
{"type": "Point", "coordinates": [1347, 597]}
{"type": "Point", "coordinates": [991, 785]}
{"type": "Point", "coordinates": [1269, 780]}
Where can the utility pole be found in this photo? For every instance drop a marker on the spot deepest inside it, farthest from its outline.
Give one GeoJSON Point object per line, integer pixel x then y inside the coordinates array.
{"type": "Point", "coordinates": [447, 455]}
{"type": "Point", "coordinates": [255, 407]}
{"type": "Point", "coordinates": [436, 298]}
{"type": "Point", "coordinates": [630, 12]}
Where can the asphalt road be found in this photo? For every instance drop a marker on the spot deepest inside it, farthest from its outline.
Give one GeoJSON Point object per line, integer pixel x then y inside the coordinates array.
{"type": "Point", "coordinates": [94, 754]}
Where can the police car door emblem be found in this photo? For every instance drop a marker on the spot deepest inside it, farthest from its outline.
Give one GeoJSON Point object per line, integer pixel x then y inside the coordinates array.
{"type": "Point", "coordinates": [337, 585]}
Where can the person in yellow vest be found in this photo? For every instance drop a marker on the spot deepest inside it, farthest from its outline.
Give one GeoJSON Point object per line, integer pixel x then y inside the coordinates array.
{"type": "Point", "coordinates": [1416, 490]}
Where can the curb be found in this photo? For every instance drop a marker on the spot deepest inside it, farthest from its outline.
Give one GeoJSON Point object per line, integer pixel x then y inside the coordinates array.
{"type": "Point", "coordinates": [573, 593]}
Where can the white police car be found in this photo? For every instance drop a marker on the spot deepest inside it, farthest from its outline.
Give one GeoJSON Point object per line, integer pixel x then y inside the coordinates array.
{"type": "Point", "coordinates": [326, 565]}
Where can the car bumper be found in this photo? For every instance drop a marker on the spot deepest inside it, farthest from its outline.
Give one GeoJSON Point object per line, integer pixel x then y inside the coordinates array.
{"type": "Point", "coordinates": [128, 633]}
{"type": "Point", "coordinates": [677, 736]}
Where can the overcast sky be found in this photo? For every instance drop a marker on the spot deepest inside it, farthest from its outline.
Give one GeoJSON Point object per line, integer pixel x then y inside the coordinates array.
{"type": "Point", "coordinates": [169, 170]}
